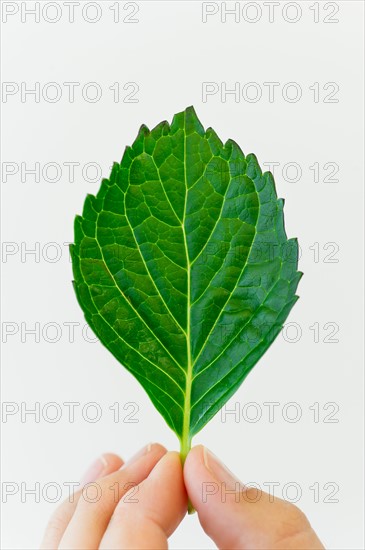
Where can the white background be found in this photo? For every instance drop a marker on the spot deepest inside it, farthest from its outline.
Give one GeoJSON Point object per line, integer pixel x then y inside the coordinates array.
{"type": "Point", "coordinates": [169, 53]}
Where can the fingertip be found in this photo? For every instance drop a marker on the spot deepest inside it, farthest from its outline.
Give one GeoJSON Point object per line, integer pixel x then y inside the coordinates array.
{"type": "Point", "coordinates": [195, 454]}
{"type": "Point", "coordinates": [166, 480]}
{"type": "Point", "coordinates": [158, 448]}
{"type": "Point", "coordinates": [168, 466]}
{"type": "Point", "coordinates": [111, 461]}
{"type": "Point", "coordinates": [156, 451]}
{"type": "Point", "coordinates": [105, 464]}
{"type": "Point", "coordinates": [145, 459]}
{"type": "Point", "coordinates": [156, 509]}
{"type": "Point", "coordinates": [174, 457]}
{"type": "Point", "coordinates": [194, 466]}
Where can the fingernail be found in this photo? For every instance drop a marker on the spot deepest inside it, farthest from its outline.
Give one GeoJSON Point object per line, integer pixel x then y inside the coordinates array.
{"type": "Point", "coordinates": [220, 471]}
{"type": "Point", "coordinates": [145, 450]}
{"type": "Point", "coordinates": [94, 471]}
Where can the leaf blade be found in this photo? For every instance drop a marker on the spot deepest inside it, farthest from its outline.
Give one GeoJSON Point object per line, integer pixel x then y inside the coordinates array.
{"type": "Point", "coordinates": [178, 260]}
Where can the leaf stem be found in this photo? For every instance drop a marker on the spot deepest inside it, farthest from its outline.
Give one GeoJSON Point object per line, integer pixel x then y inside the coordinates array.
{"type": "Point", "coordinates": [185, 446]}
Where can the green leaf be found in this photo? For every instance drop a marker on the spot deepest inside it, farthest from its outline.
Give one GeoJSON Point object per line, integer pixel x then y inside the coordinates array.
{"type": "Point", "coordinates": [183, 268]}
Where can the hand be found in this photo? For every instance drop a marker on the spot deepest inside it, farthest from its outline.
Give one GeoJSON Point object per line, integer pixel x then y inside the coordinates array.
{"type": "Point", "coordinates": [140, 517]}
{"type": "Point", "coordinates": [234, 516]}
{"type": "Point", "coordinates": [238, 517]}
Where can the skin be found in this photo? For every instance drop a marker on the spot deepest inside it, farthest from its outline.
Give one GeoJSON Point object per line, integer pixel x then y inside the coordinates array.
{"type": "Point", "coordinates": [128, 515]}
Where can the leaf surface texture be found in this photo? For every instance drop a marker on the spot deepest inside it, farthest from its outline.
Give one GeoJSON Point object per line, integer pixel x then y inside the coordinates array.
{"type": "Point", "coordinates": [183, 268]}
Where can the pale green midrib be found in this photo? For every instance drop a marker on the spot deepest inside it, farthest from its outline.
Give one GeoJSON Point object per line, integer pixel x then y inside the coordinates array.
{"type": "Point", "coordinates": [185, 436]}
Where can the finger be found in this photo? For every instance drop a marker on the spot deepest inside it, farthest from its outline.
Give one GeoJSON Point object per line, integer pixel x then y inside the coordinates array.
{"type": "Point", "coordinates": [147, 518]}
{"type": "Point", "coordinates": [104, 465]}
{"type": "Point", "coordinates": [239, 517]}
{"type": "Point", "coordinates": [98, 500]}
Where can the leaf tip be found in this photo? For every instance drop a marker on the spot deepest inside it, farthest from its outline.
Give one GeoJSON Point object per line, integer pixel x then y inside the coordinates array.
{"type": "Point", "coordinates": [190, 110]}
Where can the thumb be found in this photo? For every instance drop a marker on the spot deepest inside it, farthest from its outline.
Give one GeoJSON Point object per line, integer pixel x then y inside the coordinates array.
{"type": "Point", "coordinates": [239, 517]}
